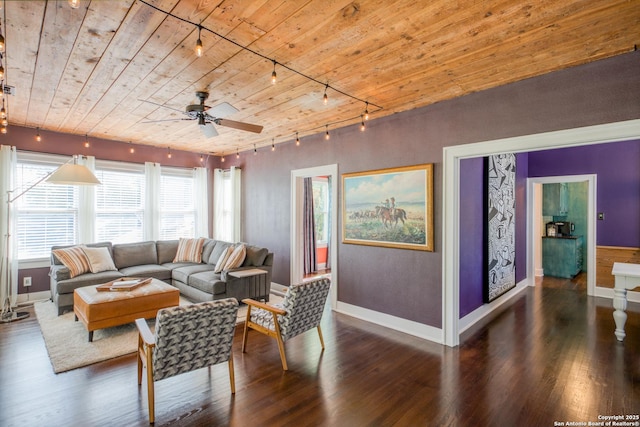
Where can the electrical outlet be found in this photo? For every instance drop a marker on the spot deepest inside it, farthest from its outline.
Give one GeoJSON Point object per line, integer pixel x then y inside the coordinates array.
{"type": "Point", "coordinates": [26, 282]}
{"type": "Point", "coordinates": [601, 216]}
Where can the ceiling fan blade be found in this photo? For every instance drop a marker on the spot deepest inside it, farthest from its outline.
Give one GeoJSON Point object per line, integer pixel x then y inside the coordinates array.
{"type": "Point", "coordinates": [165, 120]}
{"type": "Point", "coordinates": [208, 130]}
{"type": "Point", "coordinates": [239, 125]}
{"type": "Point", "coordinates": [222, 110]}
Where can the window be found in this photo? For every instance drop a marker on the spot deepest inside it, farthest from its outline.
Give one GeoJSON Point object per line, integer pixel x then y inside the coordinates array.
{"type": "Point", "coordinates": [47, 214]}
{"type": "Point", "coordinates": [321, 209]}
{"type": "Point", "coordinates": [119, 202]}
{"type": "Point", "coordinates": [177, 207]}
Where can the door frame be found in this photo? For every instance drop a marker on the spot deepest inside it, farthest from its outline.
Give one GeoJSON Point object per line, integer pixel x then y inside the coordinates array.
{"type": "Point", "coordinates": [297, 192]}
{"type": "Point", "coordinates": [534, 230]}
{"type": "Point", "coordinates": [597, 134]}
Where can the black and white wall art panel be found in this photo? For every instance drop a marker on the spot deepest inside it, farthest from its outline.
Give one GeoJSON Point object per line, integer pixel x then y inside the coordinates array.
{"type": "Point", "coordinates": [500, 211]}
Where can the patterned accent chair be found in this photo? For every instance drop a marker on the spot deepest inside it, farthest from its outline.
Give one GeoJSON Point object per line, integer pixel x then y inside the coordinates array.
{"type": "Point", "coordinates": [186, 338]}
{"type": "Point", "coordinates": [300, 311]}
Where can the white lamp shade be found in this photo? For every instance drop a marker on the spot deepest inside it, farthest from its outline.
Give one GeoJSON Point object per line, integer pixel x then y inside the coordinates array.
{"type": "Point", "coordinates": [73, 174]}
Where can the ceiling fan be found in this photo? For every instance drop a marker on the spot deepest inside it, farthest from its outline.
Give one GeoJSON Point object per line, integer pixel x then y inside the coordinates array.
{"type": "Point", "coordinates": [207, 116]}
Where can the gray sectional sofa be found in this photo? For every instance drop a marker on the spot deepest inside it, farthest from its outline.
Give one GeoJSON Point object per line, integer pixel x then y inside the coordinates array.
{"type": "Point", "coordinates": [196, 281]}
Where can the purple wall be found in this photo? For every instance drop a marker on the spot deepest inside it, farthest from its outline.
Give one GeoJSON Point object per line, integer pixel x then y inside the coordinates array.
{"type": "Point", "coordinates": [617, 166]}
{"type": "Point", "coordinates": [472, 229]}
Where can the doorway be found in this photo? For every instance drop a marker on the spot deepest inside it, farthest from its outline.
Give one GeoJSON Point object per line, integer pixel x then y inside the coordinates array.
{"type": "Point", "coordinates": [297, 221]}
{"type": "Point", "coordinates": [536, 224]}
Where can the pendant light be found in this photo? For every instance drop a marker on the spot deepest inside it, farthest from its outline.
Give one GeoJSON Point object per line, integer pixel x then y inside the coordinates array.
{"type": "Point", "coordinates": [199, 48]}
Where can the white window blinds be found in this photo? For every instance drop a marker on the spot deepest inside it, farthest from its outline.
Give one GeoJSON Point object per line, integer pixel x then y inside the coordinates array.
{"type": "Point", "coordinates": [177, 207]}
{"type": "Point", "coordinates": [119, 203]}
{"type": "Point", "coordinates": [47, 214]}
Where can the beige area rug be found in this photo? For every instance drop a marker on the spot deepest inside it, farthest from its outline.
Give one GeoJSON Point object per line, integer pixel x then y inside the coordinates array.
{"type": "Point", "coordinates": [67, 340]}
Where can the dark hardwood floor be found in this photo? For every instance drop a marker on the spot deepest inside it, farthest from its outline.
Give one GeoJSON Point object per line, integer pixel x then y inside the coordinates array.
{"type": "Point", "coordinates": [549, 356]}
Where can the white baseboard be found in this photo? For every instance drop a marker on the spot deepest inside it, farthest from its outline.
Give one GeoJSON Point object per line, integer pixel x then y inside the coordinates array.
{"type": "Point", "coordinates": [484, 310]}
{"type": "Point", "coordinates": [30, 298]}
{"type": "Point", "coordinates": [392, 322]}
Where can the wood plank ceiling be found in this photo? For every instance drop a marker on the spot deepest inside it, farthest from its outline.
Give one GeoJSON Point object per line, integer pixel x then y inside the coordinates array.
{"type": "Point", "coordinates": [107, 67]}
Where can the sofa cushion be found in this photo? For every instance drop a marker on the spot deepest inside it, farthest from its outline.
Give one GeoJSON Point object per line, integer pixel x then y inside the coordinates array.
{"type": "Point", "coordinates": [74, 259]}
{"type": "Point", "coordinates": [207, 248]}
{"type": "Point", "coordinates": [166, 250]}
{"type": "Point", "coordinates": [182, 274]}
{"type": "Point", "coordinates": [147, 270]}
{"type": "Point", "coordinates": [209, 282]}
{"type": "Point", "coordinates": [68, 286]}
{"type": "Point", "coordinates": [189, 250]}
{"type": "Point", "coordinates": [217, 251]}
{"type": "Point", "coordinates": [99, 259]}
{"type": "Point", "coordinates": [255, 256]}
{"type": "Point", "coordinates": [222, 261]}
{"type": "Point", "coordinates": [236, 258]}
{"type": "Point", "coordinates": [128, 254]}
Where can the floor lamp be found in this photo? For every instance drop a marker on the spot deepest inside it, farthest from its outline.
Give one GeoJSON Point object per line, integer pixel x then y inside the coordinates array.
{"type": "Point", "coordinates": [67, 174]}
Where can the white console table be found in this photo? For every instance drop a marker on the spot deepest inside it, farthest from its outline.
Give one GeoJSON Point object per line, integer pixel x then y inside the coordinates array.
{"type": "Point", "coordinates": [627, 276]}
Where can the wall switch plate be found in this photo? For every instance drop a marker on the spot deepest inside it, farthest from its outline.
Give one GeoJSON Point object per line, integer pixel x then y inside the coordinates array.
{"type": "Point", "coordinates": [26, 282]}
{"type": "Point", "coordinates": [600, 216]}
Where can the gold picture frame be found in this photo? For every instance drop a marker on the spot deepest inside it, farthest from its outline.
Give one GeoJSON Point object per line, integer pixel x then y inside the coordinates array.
{"type": "Point", "coordinates": [389, 207]}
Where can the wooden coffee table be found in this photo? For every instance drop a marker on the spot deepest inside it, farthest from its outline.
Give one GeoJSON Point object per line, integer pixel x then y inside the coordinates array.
{"type": "Point", "coordinates": [99, 310]}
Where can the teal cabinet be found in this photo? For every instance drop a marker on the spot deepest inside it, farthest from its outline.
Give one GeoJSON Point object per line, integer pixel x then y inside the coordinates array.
{"type": "Point", "coordinates": [555, 199]}
{"type": "Point", "coordinates": [562, 256]}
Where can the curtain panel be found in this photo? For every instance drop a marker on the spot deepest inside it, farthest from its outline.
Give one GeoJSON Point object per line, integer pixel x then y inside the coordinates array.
{"type": "Point", "coordinates": [153, 179]}
{"type": "Point", "coordinates": [9, 264]}
{"type": "Point", "coordinates": [309, 228]}
{"type": "Point", "coordinates": [201, 202]}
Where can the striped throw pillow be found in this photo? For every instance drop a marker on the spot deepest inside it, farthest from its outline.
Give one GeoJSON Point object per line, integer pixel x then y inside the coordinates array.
{"type": "Point", "coordinates": [74, 259]}
{"type": "Point", "coordinates": [236, 258]}
{"type": "Point", "coordinates": [189, 250]}
{"type": "Point", "coordinates": [224, 256]}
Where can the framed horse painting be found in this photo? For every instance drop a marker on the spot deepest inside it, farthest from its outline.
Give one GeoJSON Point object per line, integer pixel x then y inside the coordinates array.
{"type": "Point", "coordinates": [389, 207]}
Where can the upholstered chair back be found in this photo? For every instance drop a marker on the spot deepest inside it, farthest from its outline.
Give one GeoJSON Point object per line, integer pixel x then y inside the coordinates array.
{"type": "Point", "coordinates": [193, 336]}
{"type": "Point", "coordinates": [304, 304]}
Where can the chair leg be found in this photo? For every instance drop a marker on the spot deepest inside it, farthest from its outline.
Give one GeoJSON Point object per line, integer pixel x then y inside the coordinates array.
{"type": "Point", "coordinates": [320, 335]}
{"type": "Point", "coordinates": [150, 393]}
{"type": "Point", "coordinates": [283, 357]}
{"type": "Point", "coordinates": [246, 328]}
{"type": "Point", "coordinates": [140, 353]}
{"type": "Point", "coordinates": [232, 378]}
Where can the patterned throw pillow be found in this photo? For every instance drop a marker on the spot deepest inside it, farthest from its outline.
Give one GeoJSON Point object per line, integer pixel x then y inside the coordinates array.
{"type": "Point", "coordinates": [223, 259]}
{"type": "Point", "coordinates": [189, 250]}
{"type": "Point", "coordinates": [236, 258]}
{"type": "Point", "coordinates": [74, 259]}
{"type": "Point", "coordinates": [99, 259]}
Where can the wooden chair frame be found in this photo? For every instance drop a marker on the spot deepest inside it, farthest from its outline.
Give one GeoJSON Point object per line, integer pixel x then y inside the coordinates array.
{"type": "Point", "coordinates": [146, 344]}
{"type": "Point", "coordinates": [275, 311]}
